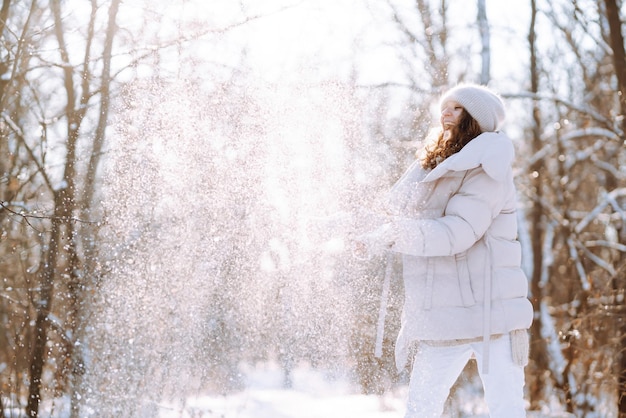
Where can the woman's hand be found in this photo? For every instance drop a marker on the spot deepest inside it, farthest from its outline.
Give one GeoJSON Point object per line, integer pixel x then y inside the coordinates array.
{"type": "Point", "coordinates": [359, 250]}
{"type": "Point", "coordinates": [374, 243]}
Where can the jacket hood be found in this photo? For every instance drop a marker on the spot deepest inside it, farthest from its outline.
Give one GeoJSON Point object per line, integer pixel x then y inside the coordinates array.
{"type": "Point", "coordinates": [493, 151]}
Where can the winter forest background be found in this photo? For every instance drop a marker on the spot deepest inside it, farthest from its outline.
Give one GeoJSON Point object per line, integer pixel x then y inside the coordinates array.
{"type": "Point", "coordinates": [169, 168]}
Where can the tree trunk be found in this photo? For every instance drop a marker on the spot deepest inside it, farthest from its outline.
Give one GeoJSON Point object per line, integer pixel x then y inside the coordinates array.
{"type": "Point", "coordinates": [619, 55]}
{"type": "Point", "coordinates": [619, 61]}
{"type": "Point", "coordinates": [87, 229]}
{"type": "Point", "coordinates": [485, 54]}
{"type": "Point", "coordinates": [4, 66]}
{"type": "Point", "coordinates": [62, 228]}
{"type": "Point", "coordinates": [43, 307]}
{"type": "Point", "coordinates": [538, 349]}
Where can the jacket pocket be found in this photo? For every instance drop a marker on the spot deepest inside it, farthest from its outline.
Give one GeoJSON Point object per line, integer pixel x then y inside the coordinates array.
{"type": "Point", "coordinates": [465, 284]}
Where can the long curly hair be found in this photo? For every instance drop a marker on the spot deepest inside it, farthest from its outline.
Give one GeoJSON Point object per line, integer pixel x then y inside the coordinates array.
{"type": "Point", "coordinates": [451, 141]}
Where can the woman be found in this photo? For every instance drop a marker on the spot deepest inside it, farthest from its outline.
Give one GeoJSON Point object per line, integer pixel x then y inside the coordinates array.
{"type": "Point", "coordinates": [454, 222]}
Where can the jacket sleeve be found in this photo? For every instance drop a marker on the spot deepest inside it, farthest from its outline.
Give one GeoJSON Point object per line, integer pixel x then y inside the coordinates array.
{"type": "Point", "coordinates": [467, 216]}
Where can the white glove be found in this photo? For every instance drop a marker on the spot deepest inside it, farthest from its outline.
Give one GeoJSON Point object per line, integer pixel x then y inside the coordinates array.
{"type": "Point", "coordinates": [376, 242]}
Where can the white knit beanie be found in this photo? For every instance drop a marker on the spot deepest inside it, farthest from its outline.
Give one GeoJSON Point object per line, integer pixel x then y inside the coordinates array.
{"type": "Point", "coordinates": [480, 102]}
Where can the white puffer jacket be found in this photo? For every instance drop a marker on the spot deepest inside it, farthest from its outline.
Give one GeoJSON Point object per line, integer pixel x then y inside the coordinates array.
{"type": "Point", "coordinates": [456, 228]}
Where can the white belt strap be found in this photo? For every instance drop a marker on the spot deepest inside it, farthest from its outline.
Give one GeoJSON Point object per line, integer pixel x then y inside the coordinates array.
{"type": "Point", "coordinates": [487, 308]}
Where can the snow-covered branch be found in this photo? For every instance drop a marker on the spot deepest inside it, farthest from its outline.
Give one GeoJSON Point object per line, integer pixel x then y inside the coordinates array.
{"type": "Point", "coordinates": [549, 333]}
{"type": "Point", "coordinates": [548, 255]}
{"type": "Point", "coordinates": [591, 131]}
{"type": "Point", "coordinates": [609, 198]}
{"type": "Point", "coordinates": [603, 165]}
{"type": "Point", "coordinates": [582, 274]}
{"type": "Point", "coordinates": [600, 262]}
{"type": "Point", "coordinates": [558, 100]}
{"type": "Point", "coordinates": [608, 244]}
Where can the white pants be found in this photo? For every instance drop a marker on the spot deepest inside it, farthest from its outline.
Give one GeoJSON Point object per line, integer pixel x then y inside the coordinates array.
{"type": "Point", "coordinates": [436, 368]}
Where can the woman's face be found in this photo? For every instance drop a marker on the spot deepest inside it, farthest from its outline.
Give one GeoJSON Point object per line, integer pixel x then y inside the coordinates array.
{"type": "Point", "coordinates": [450, 114]}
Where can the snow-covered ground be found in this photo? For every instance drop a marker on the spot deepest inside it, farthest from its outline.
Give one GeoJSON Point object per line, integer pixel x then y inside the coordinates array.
{"type": "Point", "coordinates": [314, 394]}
